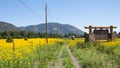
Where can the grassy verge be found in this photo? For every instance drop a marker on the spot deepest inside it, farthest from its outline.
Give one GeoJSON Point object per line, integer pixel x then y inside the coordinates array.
{"type": "Point", "coordinates": [25, 57]}
{"type": "Point", "coordinates": [94, 55]}
{"type": "Point", "coordinates": [47, 54]}
{"type": "Point", "coordinates": [66, 60]}
{"type": "Point", "coordinates": [18, 58]}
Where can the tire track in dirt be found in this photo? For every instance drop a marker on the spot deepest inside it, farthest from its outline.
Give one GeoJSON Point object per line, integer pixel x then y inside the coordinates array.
{"type": "Point", "coordinates": [36, 64]}
{"type": "Point", "coordinates": [58, 62]}
{"type": "Point", "coordinates": [75, 61]}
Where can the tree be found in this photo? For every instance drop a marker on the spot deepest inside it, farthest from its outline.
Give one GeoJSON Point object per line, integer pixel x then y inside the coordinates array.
{"type": "Point", "coordinates": [0, 36]}
{"type": "Point", "coordinates": [9, 39]}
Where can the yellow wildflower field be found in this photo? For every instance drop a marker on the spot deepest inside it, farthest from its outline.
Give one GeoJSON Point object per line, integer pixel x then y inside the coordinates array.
{"type": "Point", "coordinates": [111, 43]}
{"type": "Point", "coordinates": [22, 47]}
{"type": "Point", "coordinates": [25, 52]}
{"type": "Point", "coordinates": [75, 41]}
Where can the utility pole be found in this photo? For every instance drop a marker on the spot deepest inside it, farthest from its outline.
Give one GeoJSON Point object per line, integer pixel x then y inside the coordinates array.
{"type": "Point", "coordinates": [46, 23]}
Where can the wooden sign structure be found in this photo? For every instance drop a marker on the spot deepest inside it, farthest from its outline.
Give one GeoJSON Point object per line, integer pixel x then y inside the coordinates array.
{"type": "Point", "coordinates": [100, 33]}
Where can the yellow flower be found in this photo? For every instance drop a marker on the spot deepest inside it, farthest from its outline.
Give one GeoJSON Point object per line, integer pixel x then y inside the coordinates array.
{"type": "Point", "coordinates": [8, 58]}
{"type": "Point", "coordinates": [28, 51]}
{"type": "Point", "coordinates": [22, 47]}
{"type": "Point", "coordinates": [28, 63]}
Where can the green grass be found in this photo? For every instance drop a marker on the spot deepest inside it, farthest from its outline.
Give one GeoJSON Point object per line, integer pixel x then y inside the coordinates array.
{"type": "Point", "coordinates": [47, 54]}
{"type": "Point", "coordinates": [43, 54]}
{"type": "Point", "coordinates": [18, 62]}
{"type": "Point", "coordinates": [90, 55]}
{"type": "Point", "coordinates": [66, 60]}
{"type": "Point", "coordinates": [93, 55]}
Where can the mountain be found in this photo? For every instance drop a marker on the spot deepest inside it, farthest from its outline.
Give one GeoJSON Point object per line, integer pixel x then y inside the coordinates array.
{"type": "Point", "coordinates": [53, 28]}
{"type": "Point", "coordinates": [4, 26]}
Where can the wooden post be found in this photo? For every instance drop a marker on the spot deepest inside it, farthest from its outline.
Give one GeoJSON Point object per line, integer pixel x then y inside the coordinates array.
{"type": "Point", "coordinates": [111, 32]}
{"type": "Point", "coordinates": [13, 45]}
{"type": "Point", "coordinates": [111, 29]}
{"type": "Point", "coordinates": [90, 30]}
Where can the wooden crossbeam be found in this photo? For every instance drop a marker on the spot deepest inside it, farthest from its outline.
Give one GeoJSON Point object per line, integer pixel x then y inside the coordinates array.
{"type": "Point", "coordinates": [92, 27]}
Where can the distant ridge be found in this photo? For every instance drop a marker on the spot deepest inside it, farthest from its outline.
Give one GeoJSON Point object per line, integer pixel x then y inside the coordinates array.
{"type": "Point", "coordinates": [4, 26]}
{"type": "Point", "coordinates": [53, 27]}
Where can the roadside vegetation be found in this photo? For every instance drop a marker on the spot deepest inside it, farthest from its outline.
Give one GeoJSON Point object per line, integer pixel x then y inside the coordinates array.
{"type": "Point", "coordinates": [66, 60]}
{"type": "Point", "coordinates": [98, 54]}
{"type": "Point", "coordinates": [36, 53]}
{"type": "Point", "coordinates": [28, 54]}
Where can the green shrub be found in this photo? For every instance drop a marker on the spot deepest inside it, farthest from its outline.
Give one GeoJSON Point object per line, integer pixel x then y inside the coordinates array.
{"type": "Point", "coordinates": [85, 45]}
{"type": "Point", "coordinates": [9, 39]}
{"type": "Point", "coordinates": [80, 45]}
{"type": "Point", "coordinates": [25, 38]}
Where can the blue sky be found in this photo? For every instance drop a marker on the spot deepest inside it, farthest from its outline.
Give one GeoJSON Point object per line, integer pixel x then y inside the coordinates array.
{"type": "Point", "coordinates": [78, 13]}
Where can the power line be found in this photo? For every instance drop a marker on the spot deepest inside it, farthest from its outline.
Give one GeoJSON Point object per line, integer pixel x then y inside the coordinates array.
{"type": "Point", "coordinates": [50, 14]}
{"type": "Point", "coordinates": [29, 8]}
{"type": "Point", "coordinates": [42, 5]}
